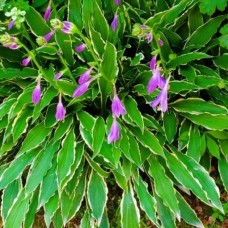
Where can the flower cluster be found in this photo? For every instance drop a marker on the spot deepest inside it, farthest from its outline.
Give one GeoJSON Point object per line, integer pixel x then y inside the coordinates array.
{"type": "Point", "coordinates": [17, 17]}
{"type": "Point", "coordinates": [158, 81]}
{"type": "Point", "coordinates": [118, 109]}
{"type": "Point", "coordinates": [9, 41]}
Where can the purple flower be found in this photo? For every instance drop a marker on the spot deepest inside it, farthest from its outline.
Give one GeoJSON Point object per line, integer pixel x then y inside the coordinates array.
{"type": "Point", "coordinates": [85, 76]}
{"type": "Point", "coordinates": [117, 107]}
{"type": "Point", "coordinates": [26, 61]}
{"type": "Point", "coordinates": [117, 2]}
{"type": "Point", "coordinates": [156, 81]}
{"type": "Point", "coordinates": [60, 110]}
{"type": "Point", "coordinates": [80, 48]}
{"type": "Point", "coordinates": [114, 132]}
{"type": "Point", "coordinates": [114, 24]}
{"type": "Point", "coordinates": [58, 75]}
{"type": "Point", "coordinates": [153, 62]}
{"type": "Point", "coordinates": [68, 27]}
{"type": "Point", "coordinates": [149, 37]}
{"type": "Point", "coordinates": [11, 24]}
{"type": "Point", "coordinates": [81, 89]}
{"type": "Point", "coordinates": [162, 98]}
{"type": "Point", "coordinates": [49, 35]}
{"type": "Point", "coordinates": [47, 13]}
{"type": "Point", "coordinates": [9, 41]}
{"type": "Point", "coordinates": [36, 94]}
{"type": "Point", "coordinates": [160, 42]}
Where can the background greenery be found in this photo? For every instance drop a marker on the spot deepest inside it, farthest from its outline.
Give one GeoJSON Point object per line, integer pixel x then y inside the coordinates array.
{"type": "Point", "coordinates": [67, 168]}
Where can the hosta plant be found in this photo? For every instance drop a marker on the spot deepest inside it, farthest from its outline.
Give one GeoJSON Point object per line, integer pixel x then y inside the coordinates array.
{"type": "Point", "coordinates": [125, 93]}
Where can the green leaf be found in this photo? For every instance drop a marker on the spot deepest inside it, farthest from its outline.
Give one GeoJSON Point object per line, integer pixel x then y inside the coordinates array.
{"type": "Point", "coordinates": [207, 182]}
{"type": "Point", "coordinates": [129, 211]}
{"type": "Point", "coordinates": [65, 44]}
{"type": "Point", "coordinates": [137, 59]}
{"type": "Point", "coordinates": [186, 58]}
{"type": "Point", "coordinates": [36, 23]}
{"type": "Point", "coordinates": [86, 220]}
{"type": "Point", "coordinates": [211, 122]}
{"type": "Point", "coordinates": [11, 73]}
{"type": "Point", "coordinates": [109, 66]}
{"type": "Point", "coordinates": [74, 13]}
{"type": "Point", "coordinates": [213, 147]}
{"type": "Point", "coordinates": [181, 86]}
{"type": "Point", "coordinates": [223, 170]}
{"type": "Point", "coordinates": [224, 147]}
{"type": "Point", "coordinates": [47, 97]}
{"type": "Point", "coordinates": [170, 125]}
{"type": "Point", "coordinates": [34, 138]}
{"type": "Point", "coordinates": [95, 166]}
{"type": "Point", "coordinates": [222, 61]}
{"type": "Point", "coordinates": [187, 214]}
{"type": "Point", "coordinates": [18, 211]}
{"type": "Point", "coordinates": [185, 177]}
{"type": "Point", "coordinates": [165, 214]}
{"type": "Point", "coordinates": [163, 186]}
{"type": "Point", "coordinates": [97, 195]}
{"type": "Point", "coordinates": [193, 147]}
{"type": "Point", "coordinates": [30, 215]}
{"type": "Point", "coordinates": [66, 157]}
{"type": "Point", "coordinates": [63, 128]}
{"type": "Point", "coordinates": [223, 41]}
{"type": "Point", "coordinates": [148, 140]}
{"type": "Point", "coordinates": [86, 120]}
{"type": "Point", "coordinates": [120, 179]}
{"type": "Point", "coordinates": [87, 9]}
{"type": "Point", "coordinates": [195, 19]}
{"type": "Point", "coordinates": [209, 7]}
{"type": "Point", "coordinates": [48, 185]}
{"type": "Point", "coordinates": [40, 166]}
{"type": "Point", "coordinates": [97, 41]}
{"type": "Point", "coordinates": [99, 22]}
{"type": "Point", "coordinates": [20, 123]}
{"type": "Point", "coordinates": [50, 208]}
{"type": "Point", "coordinates": [98, 133]}
{"type": "Point", "coordinates": [16, 168]}
{"type": "Point", "coordinates": [146, 200]}
{"type": "Point", "coordinates": [204, 33]}
{"type": "Point", "coordinates": [133, 112]}
{"type": "Point", "coordinates": [198, 106]}
{"type": "Point", "coordinates": [78, 195]}
{"type": "Point", "coordinates": [6, 106]}
{"type": "Point", "coordinates": [9, 195]}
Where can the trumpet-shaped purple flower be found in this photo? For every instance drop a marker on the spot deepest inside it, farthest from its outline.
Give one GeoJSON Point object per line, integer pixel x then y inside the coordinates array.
{"type": "Point", "coordinates": [80, 48]}
{"type": "Point", "coordinates": [68, 27]}
{"type": "Point", "coordinates": [26, 61]}
{"type": "Point", "coordinates": [160, 42]}
{"type": "Point", "coordinates": [155, 81]}
{"type": "Point", "coordinates": [114, 132]}
{"type": "Point", "coordinates": [58, 75]}
{"type": "Point", "coordinates": [117, 106]}
{"type": "Point", "coordinates": [60, 110]}
{"type": "Point", "coordinates": [81, 89]}
{"type": "Point", "coordinates": [36, 94]}
{"type": "Point", "coordinates": [85, 76]}
{"type": "Point", "coordinates": [47, 13]}
{"type": "Point", "coordinates": [114, 24]}
{"type": "Point", "coordinates": [162, 98]}
{"type": "Point", "coordinates": [49, 35]}
{"type": "Point", "coordinates": [117, 2]}
{"type": "Point", "coordinates": [11, 24]}
{"type": "Point", "coordinates": [153, 63]}
{"type": "Point", "coordinates": [149, 37]}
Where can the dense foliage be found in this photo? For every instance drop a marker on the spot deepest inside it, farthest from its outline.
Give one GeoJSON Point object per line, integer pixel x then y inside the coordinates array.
{"type": "Point", "coordinates": [100, 93]}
